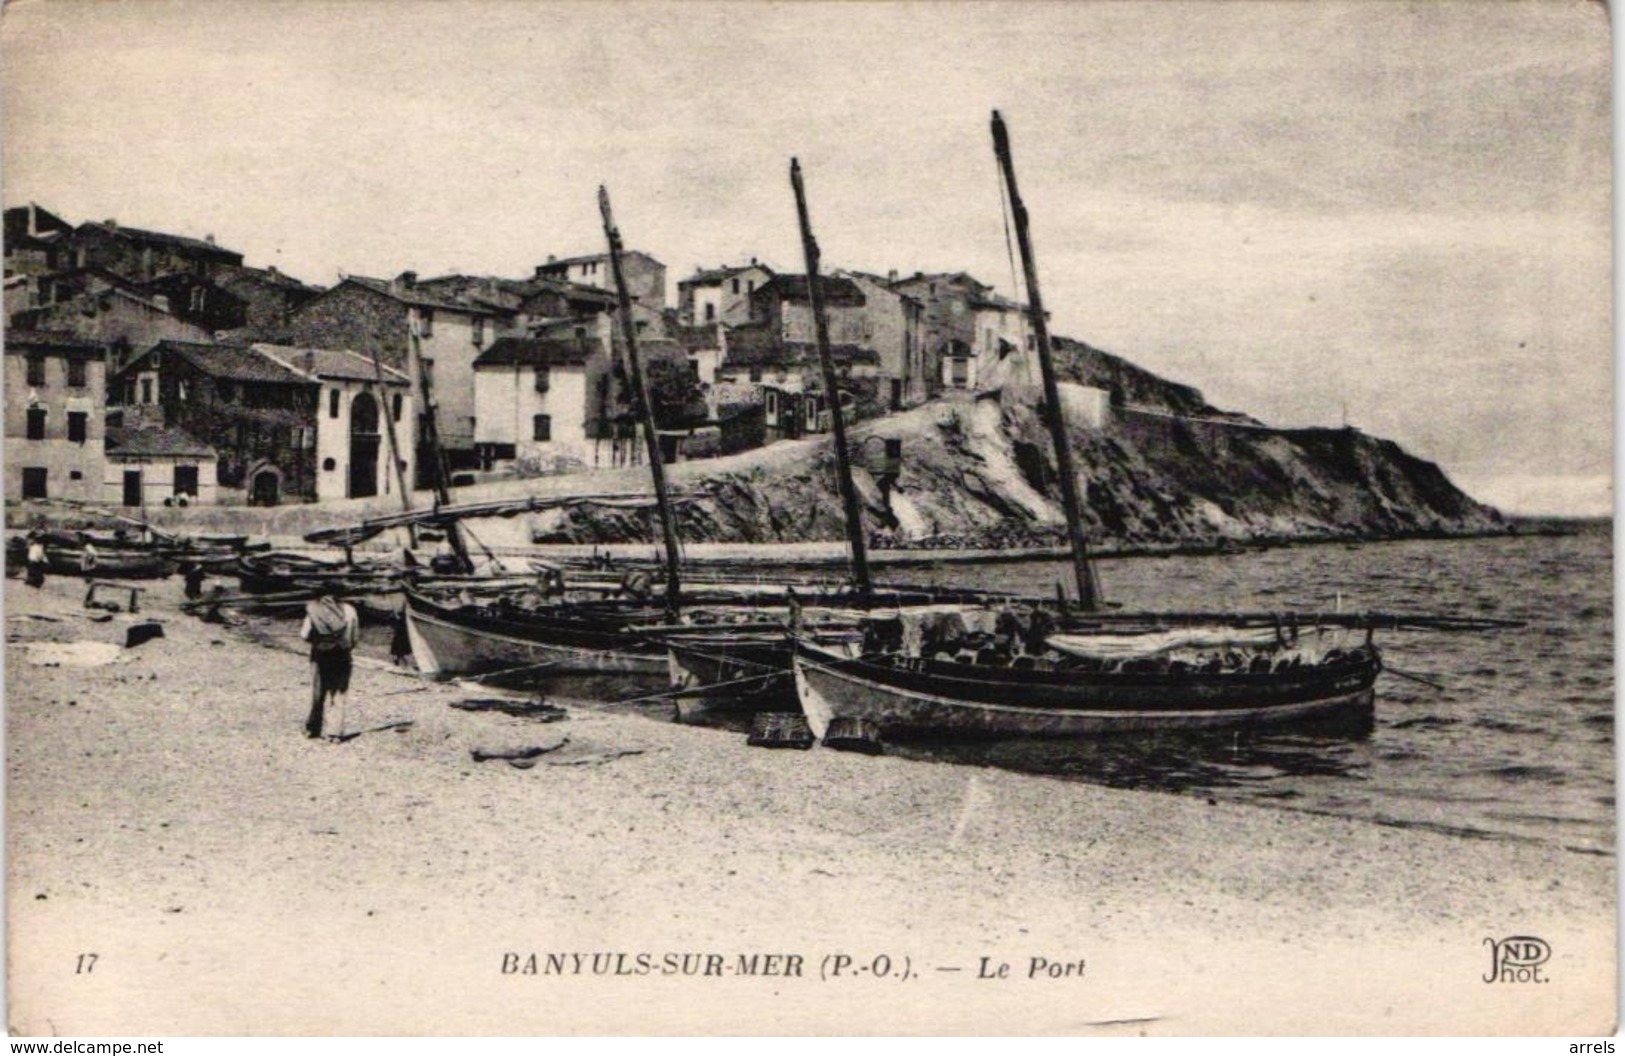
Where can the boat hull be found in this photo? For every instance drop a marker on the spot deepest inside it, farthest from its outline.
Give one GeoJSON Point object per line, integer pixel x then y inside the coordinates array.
{"type": "Point", "coordinates": [448, 643]}
{"type": "Point", "coordinates": [929, 699]}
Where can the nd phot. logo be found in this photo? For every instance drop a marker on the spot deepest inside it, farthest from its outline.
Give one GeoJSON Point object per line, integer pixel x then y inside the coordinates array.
{"type": "Point", "coordinates": [1517, 959]}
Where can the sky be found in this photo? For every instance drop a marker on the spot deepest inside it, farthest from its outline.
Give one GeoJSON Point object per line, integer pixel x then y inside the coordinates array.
{"type": "Point", "coordinates": [1394, 215]}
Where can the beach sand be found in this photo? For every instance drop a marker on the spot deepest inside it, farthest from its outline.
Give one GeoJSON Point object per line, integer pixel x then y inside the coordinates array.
{"type": "Point", "coordinates": [166, 814]}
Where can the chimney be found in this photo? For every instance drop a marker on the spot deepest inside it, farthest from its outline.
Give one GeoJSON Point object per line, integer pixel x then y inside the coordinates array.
{"type": "Point", "coordinates": [891, 276]}
{"type": "Point", "coordinates": [310, 362]}
{"type": "Point", "coordinates": [406, 280]}
{"type": "Point", "coordinates": [551, 258]}
{"type": "Point", "coordinates": [209, 239]}
{"type": "Point", "coordinates": [753, 262]}
{"type": "Point", "coordinates": [110, 223]}
{"type": "Point", "coordinates": [271, 270]}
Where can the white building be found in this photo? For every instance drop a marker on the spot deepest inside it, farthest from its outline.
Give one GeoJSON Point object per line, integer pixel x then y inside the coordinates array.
{"type": "Point", "coordinates": [355, 417]}
{"type": "Point", "coordinates": [534, 401]}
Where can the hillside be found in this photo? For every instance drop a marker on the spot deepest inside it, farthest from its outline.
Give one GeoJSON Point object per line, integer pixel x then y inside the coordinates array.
{"type": "Point", "coordinates": [1166, 469]}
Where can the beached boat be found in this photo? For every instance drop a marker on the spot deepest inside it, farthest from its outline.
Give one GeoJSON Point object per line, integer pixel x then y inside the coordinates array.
{"type": "Point", "coordinates": [1089, 684]}
{"type": "Point", "coordinates": [106, 563]}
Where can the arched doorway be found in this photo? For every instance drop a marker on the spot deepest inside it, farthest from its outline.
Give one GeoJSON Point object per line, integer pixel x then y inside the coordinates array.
{"type": "Point", "coordinates": [266, 488]}
{"type": "Point", "coordinates": [363, 446]}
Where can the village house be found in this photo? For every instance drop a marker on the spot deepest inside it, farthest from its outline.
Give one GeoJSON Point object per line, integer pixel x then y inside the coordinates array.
{"type": "Point", "coordinates": [720, 295]}
{"type": "Point", "coordinates": [784, 307]}
{"type": "Point", "coordinates": [287, 423]}
{"type": "Point", "coordinates": [34, 241]}
{"type": "Point", "coordinates": [104, 308]}
{"type": "Point", "coordinates": [149, 465]}
{"type": "Point", "coordinates": [645, 276]}
{"type": "Point", "coordinates": [388, 317]}
{"type": "Point", "coordinates": [268, 297]}
{"type": "Point", "coordinates": [54, 421]}
{"type": "Point", "coordinates": [537, 401]}
{"type": "Point", "coordinates": [895, 323]}
{"type": "Point", "coordinates": [145, 255]}
{"type": "Point", "coordinates": [974, 338]}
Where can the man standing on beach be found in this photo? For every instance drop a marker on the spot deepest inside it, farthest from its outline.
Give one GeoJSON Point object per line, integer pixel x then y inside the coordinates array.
{"type": "Point", "coordinates": [333, 630]}
{"type": "Point", "coordinates": [35, 561]}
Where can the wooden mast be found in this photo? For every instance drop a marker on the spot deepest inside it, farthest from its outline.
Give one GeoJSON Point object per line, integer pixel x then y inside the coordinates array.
{"type": "Point", "coordinates": [442, 474]}
{"type": "Point", "coordinates": [656, 468]}
{"type": "Point", "coordinates": [395, 461]}
{"type": "Point", "coordinates": [1088, 599]}
{"type": "Point", "coordinates": [843, 464]}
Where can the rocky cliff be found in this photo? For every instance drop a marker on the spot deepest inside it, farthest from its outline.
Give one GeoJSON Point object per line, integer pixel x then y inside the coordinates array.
{"type": "Point", "coordinates": [1162, 469]}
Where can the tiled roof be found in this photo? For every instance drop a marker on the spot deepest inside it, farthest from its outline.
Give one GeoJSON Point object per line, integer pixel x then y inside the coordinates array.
{"type": "Point", "coordinates": [231, 362]}
{"type": "Point", "coordinates": [267, 277]}
{"type": "Point", "coordinates": [136, 234]}
{"type": "Point", "coordinates": [534, 352]}
{"type": "Point", "coordinates": [146, 441]}
{"type": "Point", "coordinates": [588, 258]}
{"type": "Point", "coordinates": [838, 292]}
{"type": "Point", "coordinates": [419, 297]}
{"type": "Point", "coordinates": [339, 363]}
{"type": "Point", "coordinates": [716, 276]}
{"type": "Point", "coordinates": [59, 340]}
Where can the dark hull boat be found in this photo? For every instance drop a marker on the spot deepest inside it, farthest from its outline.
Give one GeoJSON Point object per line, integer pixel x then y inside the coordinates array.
{"type": "Point", "coordinates": [741, 673]}
{"type": "Point", "coordinates": [497, 639]}
{"type": "Point", "coordinates": [911, 696]}
{"type": "Point", "coordinates": [108, 563]}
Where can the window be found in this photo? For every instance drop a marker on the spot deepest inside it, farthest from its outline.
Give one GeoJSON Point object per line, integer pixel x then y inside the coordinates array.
{"type": "Point", "coordinates": [77, 421]}
{"type": "Point", "coordinates": [1032, 342]}
{"type": "Point", "coordinates": [542, 427]}
{"type": "Point", "coordinates": [146, 390]}
{"type": "Point", "coordinates": [959, 373]}
{"type": "Point", "coordinates": [395, 407]}
{"type": "Point", "coordinates": [544, 378]}
{"type": "Point", "coordinates": [736, 287]}
{"type": "Point", "coordinates": [479, 330]}
{"type": "Point", "coordinates": [36, 423]}
{"type": "Point", "coordinates": [76, 373]}
{"type": "Point", "coordinates": [750, 286]}
{"type": "Point", "coordinates": [425, 322]}
{"type": "Point", "coordinates": [710, 312]}
{"type": "Point", "coordinates": [332, 403]}
{"type": "Point", "coordinates": [34, 482]}
{"type": "Point", "coordinates": [74, 474]}
{"type": "Point", "coordinates": [755, 373]}
{"type": "Point", "coordinates": [186, 480]}
{"type": "Point", "coordinates": [36, 370]}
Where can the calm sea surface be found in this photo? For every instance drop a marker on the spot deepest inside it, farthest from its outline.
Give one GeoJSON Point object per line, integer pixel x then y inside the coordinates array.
{"type": "Point", "coordinates": [1518, 744]}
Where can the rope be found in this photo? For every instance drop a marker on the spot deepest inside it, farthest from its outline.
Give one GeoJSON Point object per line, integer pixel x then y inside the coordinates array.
{"type": "Point", "coordinates": [699, 690]}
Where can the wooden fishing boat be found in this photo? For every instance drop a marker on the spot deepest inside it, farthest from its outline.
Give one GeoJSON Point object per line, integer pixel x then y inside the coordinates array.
{"type": "Point", "coordinates": [495, 637]}
{"type": "Point", "coordinates": [280, 572]}
{"type": "Point", "coordinates": [61, 560]}
{"type": "Point", "coordinates": [914, 696]}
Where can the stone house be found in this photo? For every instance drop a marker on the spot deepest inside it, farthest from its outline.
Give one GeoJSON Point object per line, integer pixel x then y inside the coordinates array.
{"type": "Point", "coordinates": [34, 241]}
{"type": "Point", "coordinates": [720, 295]}
{"type": "Point", "coordinates": [645, 276]}
{"type": "Point", "coordinates": [896, 328]}
{"type": "Point", "coordinates": [145, 255]}
{"type": "Point", "coordinates": [269, 298]}
{"type": "Point", "coordinates": [149, 465]}
{"type": "Point", "coordinates": [55, 426]}
{"type": "Point", "coordinates": [783, 306]}
{"type": "Point", "coordinates": [451, 330]}
{"type": "Point", "coordinates": [287, 423]}
{"type": "Point", "coordinates": [106, 309]}
{"type": "Point", "coordinates": [971, 332]}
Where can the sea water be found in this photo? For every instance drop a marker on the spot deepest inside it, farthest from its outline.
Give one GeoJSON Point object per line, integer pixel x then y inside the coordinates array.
{"type": "Point", "coordinates": [1518, 744]}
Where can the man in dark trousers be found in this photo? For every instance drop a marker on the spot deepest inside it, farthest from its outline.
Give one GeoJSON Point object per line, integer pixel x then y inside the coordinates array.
{"type": "Point", "coordinates": [333, 630]}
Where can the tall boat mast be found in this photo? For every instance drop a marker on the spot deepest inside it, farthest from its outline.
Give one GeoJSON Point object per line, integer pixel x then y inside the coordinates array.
{"type": "Point", "coordinates": [843, 464]}
{"type": "Point", "coordinates": [442, 472]}
{"type": "Point", "coordinates": [656, 468]}
{"type": "Point", "coordinates": [1056, 418]}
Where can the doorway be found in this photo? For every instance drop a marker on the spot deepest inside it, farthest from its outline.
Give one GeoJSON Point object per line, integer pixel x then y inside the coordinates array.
{"type": "Point", "coordinates": [132, 487]}
{"type": "Point", "coordinates": [363, 446]}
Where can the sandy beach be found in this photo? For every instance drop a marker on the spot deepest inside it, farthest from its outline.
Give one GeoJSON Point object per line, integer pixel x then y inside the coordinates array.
{"type": "Point", "coordinates": [231, 877]}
